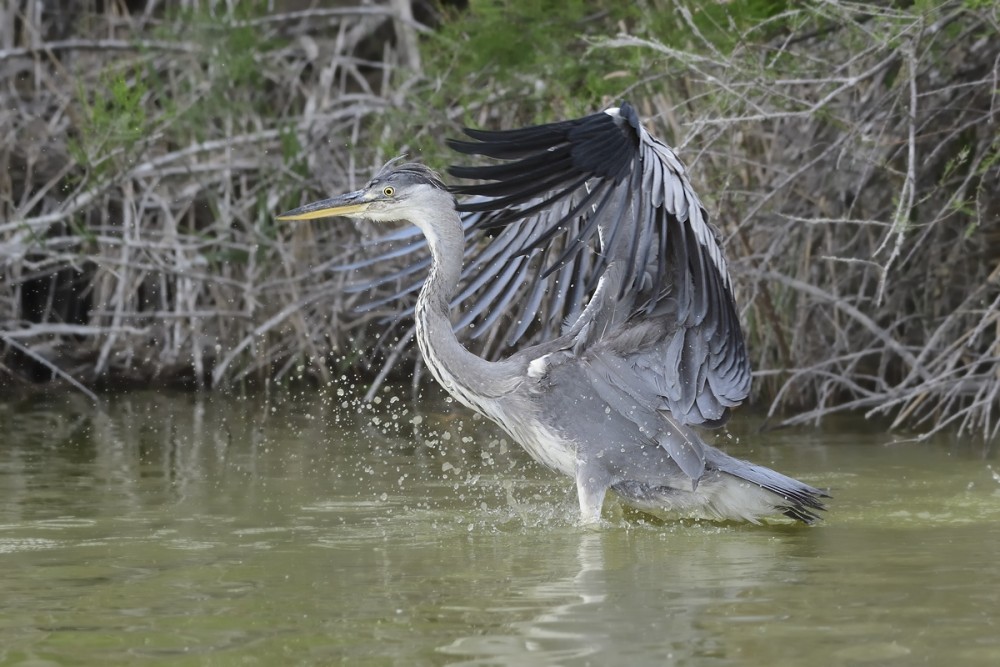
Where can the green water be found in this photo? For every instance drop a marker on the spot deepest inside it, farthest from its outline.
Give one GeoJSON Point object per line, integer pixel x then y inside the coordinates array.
{"type": "Point", "coordinates": [188, 530]}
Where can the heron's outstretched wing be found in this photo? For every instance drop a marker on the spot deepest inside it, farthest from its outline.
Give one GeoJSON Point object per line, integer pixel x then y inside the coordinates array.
{"type": "Point", "coordinates": [568, 201]}
{"type": "Point", "coordinates": [607, 190]}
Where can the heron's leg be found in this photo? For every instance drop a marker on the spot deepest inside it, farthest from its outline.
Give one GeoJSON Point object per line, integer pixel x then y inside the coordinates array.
{"type": "Point", "coordinates": [590, 489]}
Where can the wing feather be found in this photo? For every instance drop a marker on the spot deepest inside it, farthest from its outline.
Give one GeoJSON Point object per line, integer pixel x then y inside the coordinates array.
{"type": "Point", "coordinates": [571, 200]}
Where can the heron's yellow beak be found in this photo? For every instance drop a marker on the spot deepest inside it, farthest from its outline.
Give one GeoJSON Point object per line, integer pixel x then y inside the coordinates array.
{"type": "Point", "coordinates": [347, 204]}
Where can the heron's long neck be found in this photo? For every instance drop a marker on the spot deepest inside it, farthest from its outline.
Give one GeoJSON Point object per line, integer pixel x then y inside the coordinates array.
{"type": "Point", "coordinates": [464, 375]}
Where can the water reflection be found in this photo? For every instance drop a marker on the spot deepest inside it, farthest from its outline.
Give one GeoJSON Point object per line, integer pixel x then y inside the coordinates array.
{"type": "Point", "coordinates": [548, 637]}
{"type": "Point", "coordinates": [652, 592]}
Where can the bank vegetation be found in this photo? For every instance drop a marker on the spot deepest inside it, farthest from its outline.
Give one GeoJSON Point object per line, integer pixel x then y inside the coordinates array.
{"type": "Point", "coordinates": [848, 152]}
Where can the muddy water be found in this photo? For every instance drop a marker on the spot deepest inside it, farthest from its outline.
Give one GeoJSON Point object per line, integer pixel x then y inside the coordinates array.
{"type": "Point", "coordinates": [302, 529]}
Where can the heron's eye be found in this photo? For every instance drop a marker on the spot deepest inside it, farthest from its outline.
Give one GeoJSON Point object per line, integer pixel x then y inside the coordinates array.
{"type": "Point", "coordinates": [388, 191]}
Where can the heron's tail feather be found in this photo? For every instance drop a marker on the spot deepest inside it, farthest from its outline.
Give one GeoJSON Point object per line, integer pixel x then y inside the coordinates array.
{"type": "Point", "coordinates": [730, 490]}
{"type": "Point", "coordinates": [789, 496]}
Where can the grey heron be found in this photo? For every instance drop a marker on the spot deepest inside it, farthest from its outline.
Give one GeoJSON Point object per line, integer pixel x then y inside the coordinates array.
{"type": "Point", "coordinates": [649, 346]}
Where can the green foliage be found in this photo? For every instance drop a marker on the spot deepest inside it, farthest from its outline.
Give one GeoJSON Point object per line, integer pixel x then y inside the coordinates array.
{"type": "Point", "coordinates": [540, 61]}
{"type": "Point", "coordinates": [718, 25]}
{"type": "Point", "coordinates": [227, 47]}
{"type": "Point", "coordinates": [534, 51]}
{"type": "Point", "coordinates": [212, 78]}
{"type": "Point", "coordinates": [113, 119]}
{"type": "Point", "coordinates": [541, 55]}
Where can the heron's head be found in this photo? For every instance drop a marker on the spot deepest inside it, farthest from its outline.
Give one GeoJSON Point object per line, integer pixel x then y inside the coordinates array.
{"type": "Point", "coordinates": [396, 192]}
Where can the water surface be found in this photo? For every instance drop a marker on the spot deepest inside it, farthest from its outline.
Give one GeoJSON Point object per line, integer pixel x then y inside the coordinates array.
{"type": "Point", "coordinates": [304, 529]}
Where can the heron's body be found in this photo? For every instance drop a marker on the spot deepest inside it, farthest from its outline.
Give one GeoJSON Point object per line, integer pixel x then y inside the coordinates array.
{"type": "Point", "coordinates": [612, 400]}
